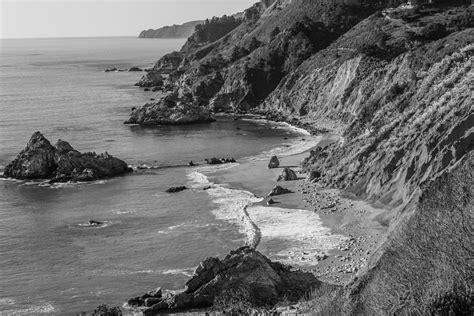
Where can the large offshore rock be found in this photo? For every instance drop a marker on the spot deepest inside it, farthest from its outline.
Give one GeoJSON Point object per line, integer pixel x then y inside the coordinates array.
{"type": "Point", "coordinates": [169, 111]}
{"type": "Point", "coordinates": [244, 270]}
{"type": "Point", "coordinates": [62, 163]}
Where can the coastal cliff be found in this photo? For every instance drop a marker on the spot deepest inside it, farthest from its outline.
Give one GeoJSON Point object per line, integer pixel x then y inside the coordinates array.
{"type": "Point", "coordinates": [174, 31]}
{"type": "Point", "coordinates": [395, 83]}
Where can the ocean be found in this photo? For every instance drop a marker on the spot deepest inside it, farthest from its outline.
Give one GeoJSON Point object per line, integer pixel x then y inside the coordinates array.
{"type": "Point", "coordinates": [50, 260]}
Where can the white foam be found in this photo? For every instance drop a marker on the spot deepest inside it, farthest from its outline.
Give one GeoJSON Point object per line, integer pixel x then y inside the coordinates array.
{"type": "Point", "coordinates": [283, 125]}
{"type": "Point", "coordinates": [7, 301]}
{"type": "Point", "coordinates": [289, 149]}
{"type": "Point", "coordinates": [46, 308]}
{"type": "Point", "coordinates": [303, 229]}
{"type": "Point", "coordinates": [89, 225]}
{"type": "Point", "coordinates": [187, 272]}
{"type": "Point", "coordinates": [122, 212]}
{"type": "Point", "coordinates": [232, 206]}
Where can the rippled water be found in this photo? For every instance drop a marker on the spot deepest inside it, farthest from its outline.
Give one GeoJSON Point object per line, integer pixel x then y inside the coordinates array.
{"type": "Point", "coordinates": [51, 261]}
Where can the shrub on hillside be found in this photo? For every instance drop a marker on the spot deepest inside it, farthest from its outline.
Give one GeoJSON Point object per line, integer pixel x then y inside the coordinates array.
{"type": "Point", "coordinates": [433, 31]}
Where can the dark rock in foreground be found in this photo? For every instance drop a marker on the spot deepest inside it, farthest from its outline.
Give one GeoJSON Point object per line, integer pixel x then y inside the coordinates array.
{"type": "Point", "coordinates": [244, 274]}
{"type": "Point", "coordinates": [176, 189]}
{"type": "Point", "coordinates": [278, 190]}
{"type": "Point", "coordinates": [169, 111]}
{"type": "Point", "coordinates": [62, 163]}
{"type": "Point", "coordinates": [287, 175]}
{"type": "Point", "coordinates": [274, 163]}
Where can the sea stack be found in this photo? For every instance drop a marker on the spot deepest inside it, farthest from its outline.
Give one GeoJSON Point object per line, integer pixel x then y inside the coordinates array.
{"type": "Point", "coordinates": [62, 163]}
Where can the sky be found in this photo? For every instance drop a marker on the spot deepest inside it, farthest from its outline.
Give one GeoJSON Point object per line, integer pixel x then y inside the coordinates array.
{"type": "Point", "coordinates": [93, 18]}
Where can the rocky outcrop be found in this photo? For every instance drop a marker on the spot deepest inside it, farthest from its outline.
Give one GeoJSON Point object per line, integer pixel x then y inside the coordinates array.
{"type": "Point", "coordinates": [174, 31]}
{"type": "Point", "coordinates": [287, 175]}
{"type": "Point", "coordinates": [274, 163]}
{"type": "Point", "coordinates": [245, 275]}
{"type": "Point", "coordinates": [251, 53]}
{"type": "Point", "coordinates": [219, 161]}
{"type": "Point", "coordinates": [62, 163]}
{"type": "Point", "coordinates": [176, 189]}
{"type": "Point", "coordinates": [169, 111]}
{"type": "Point", "coordinates": [278, 190]}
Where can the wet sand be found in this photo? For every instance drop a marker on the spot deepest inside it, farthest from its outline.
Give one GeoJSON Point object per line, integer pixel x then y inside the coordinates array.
{"type": "Point", "coordinates": [323, 231]}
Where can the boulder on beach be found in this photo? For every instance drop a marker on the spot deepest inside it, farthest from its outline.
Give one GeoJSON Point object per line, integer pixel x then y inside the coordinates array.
{"type": "Point", "coordinates": [274, 163]}
{"type": "Point", "coordinates": [245, 273]}
{"type": "Point", "coordinates": [287, 175]}
{"type": "Point", "coordinates": [62, 163]}
{"type": "Point", "coordinates": [111, 69]}
{"type": "Point", "coordinates": [278, 190]}
{"type": "Point", "coordinates": [176, 189]}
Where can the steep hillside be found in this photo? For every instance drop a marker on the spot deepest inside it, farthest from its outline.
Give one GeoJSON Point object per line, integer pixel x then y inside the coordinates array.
{"type": "Point", "coordinates": [234, 63]}
{"type": "Point", "coordinates": [397, 85]}
{"type": "Point", "coordinates": [174, 31]}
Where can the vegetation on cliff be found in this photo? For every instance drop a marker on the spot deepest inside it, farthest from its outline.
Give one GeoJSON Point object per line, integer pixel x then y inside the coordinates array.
{"type": "Point", "coordinates": [396, 83]}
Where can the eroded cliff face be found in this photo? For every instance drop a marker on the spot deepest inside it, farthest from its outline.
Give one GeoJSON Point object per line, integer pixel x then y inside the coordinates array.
{"type": "Point", "coordinates": [398, 87]}
{"type": "Point", "coordinates": [253, 52]}
{"type": "Point", "coordinates": [424, 267]}
{"type": "Point", "coordinates": [407, 119]}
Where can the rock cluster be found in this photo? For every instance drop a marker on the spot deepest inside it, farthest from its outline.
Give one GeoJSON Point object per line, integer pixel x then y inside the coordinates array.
{"type": "Point", "coordinates": [169, 111]}
{"type": "Point", "coordinates": [62, 163]}
{"type": "Point", "coordinates": [244, 270]}
{"type": "Point", "coordinates": [219, 161]}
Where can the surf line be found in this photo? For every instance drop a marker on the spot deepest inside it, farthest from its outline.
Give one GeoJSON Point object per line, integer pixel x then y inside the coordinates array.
{"type": "Point", "coordinates": [255, 234]}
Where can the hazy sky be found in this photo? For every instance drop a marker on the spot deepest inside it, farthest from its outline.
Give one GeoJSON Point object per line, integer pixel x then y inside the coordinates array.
{"type": "Point", "coordinates": [77, 18]}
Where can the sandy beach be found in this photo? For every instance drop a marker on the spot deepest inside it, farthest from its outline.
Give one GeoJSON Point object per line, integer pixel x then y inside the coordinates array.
{"type": "Point", "coordinates": [313, 228]}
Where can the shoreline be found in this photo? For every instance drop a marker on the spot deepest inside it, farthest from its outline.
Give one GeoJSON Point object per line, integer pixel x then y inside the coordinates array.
{"type": "Point", "coordinates": [349, 230]}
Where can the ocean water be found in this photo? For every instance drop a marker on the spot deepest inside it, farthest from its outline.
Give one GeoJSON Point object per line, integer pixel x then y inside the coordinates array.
{"type": "Point", "coordinates": [51, 261]}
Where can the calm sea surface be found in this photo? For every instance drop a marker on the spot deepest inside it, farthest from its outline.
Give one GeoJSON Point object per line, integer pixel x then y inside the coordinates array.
{"type": "Point", "coordinates": [49, 261]}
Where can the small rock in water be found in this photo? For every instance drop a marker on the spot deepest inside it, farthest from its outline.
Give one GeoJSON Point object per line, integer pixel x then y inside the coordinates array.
{"type": "Point", "coordinates": [95, 223]}
{"type": "Point", "coordinates": [271, 202]}
{"type": "Point", "coordinates": [176, 189]}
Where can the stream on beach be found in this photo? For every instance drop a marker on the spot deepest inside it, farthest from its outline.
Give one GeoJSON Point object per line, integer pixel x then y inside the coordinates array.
{"type": "Point", "coordinates": [53, 262]}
